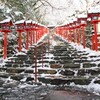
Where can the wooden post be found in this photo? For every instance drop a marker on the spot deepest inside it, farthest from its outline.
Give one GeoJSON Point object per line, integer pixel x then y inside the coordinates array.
{"type": "Point", "coordinates": [42, 55]}
{"type": "Point", "coordinates": [78, 36]}
{"type": "Point", "coordinates": [93, 42]}
{"type": "Point", "coordinates": [83, 36]}
{"type": "Point", "coordinates": [36, 35]}
{"type": "Point", "coordinates": [35, 51]}
{"type": "Point", "coordinates": [20, 41]}
{"type": "Point", "coordinates": [31, 37]}
{"type": "Point", "coordinates": [95, 36]}
{"type": "Point", "coordinates": [27, 36]}
{"type": "Point", "coordinates": [5, 45]}
{"type": "Point", "coordinates": [74, 35]}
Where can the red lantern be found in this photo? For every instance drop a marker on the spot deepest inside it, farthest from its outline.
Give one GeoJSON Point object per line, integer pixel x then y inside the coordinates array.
{"type": "Point", "coordinates": [83, 23]}
{"type": "Point", "coordinates": [28, 29]}
{"type": "Point", "coordinates": [6, 28]}
{"type": "Point", "coordinates": [94, 21]}
{"type": "Point", "coordinates": [34, 28]}
{"type": "Point", "coordinates": [77, 25]}
{"type": "Point", "coordinates": [20, 27]}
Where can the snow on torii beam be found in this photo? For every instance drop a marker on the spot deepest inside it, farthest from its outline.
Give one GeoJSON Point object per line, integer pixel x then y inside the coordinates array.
{"type": "Point", "coordinates": [5, 27]}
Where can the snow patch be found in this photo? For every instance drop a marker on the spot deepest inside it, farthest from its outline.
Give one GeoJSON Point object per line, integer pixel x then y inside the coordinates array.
{"type": "Point", "coordinates": [18, 13]}
{"type": "Point", "coordinates": [5, 21]}
{"type": "Point", "coordinates": [53, 43]}
{"type": "Point", "coordinates": [20, 53]}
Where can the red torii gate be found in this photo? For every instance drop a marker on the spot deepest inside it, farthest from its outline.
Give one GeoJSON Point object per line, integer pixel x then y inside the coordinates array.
{"type": "Point", "coordinates": [5, 27]}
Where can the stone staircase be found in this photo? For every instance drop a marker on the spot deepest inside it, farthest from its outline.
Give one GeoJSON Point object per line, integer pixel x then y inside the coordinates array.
{"type": "Point", "coordinates": [74, 66]}
{"type": "Point", "coordinates": [63, 64]}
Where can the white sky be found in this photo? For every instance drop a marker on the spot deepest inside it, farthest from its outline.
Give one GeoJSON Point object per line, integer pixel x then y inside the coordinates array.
{"type": "Point", "coordinates": [66, 8]}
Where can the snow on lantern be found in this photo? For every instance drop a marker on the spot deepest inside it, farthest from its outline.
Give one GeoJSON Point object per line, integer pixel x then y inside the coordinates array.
{"type": "Point", "coordinates": [6, 28]}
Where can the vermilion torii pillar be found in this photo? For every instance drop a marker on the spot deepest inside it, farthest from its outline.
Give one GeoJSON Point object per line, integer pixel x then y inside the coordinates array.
{"type": "Point", "coordinates": [20, 27]}
{"type": "Point", "coordinates": [5, 27]}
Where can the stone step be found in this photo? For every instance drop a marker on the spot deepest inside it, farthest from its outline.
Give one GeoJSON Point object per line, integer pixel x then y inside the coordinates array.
{"type": "Point", "coordinates": [65, 61]}
{"type": "Point", "coordinates": [55, 66]}
{"type": "Point", "coordinates": [99, 65]}
{"type": "Point", "coordinates": [61, 80]}
{"type": "Point", "coordinates": [62, 57]}
{"type": "Point", "coordinates": [71, 65]}
{"type": "Point", "coordinates": [9, 65]}
{"type": "Point", "coordinates": [29, 62]}
{"type": "Point", "coordinates": [80, 72]}
{"type": "Point", "coordinates": [83, 72]}
{"type": "Point", "coordinates": [2, 69]}
{"type": "Point", "coordinates": [89, 65]}
{"type": "Point", "coordinates": [1, 55]}
{"type": "Point", "coordinates": [15, 65]}
{"type": "Point", "coordinates": [52, 62]}
{"type": "Point", "coordinates": [48, 57]}
{"type": "Point", "coordinates": [78, 60]}
{"type": "Point", "coordinates": [47, 71]}
{"type": "Point", "coordinates": [15, 70]}
{"type": "Point", "coordinates": [14, 62]}
{"type": "Point", "coordinates": [57, 47]}
{"type": "Point", "coordinates": [3, 74]}
{"type": "Point", "coordinates": [20, 70]}
{"type": "Point", "coordinates": [44, 61]}
{"type": "Point", "coordinates": [20, 77]}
